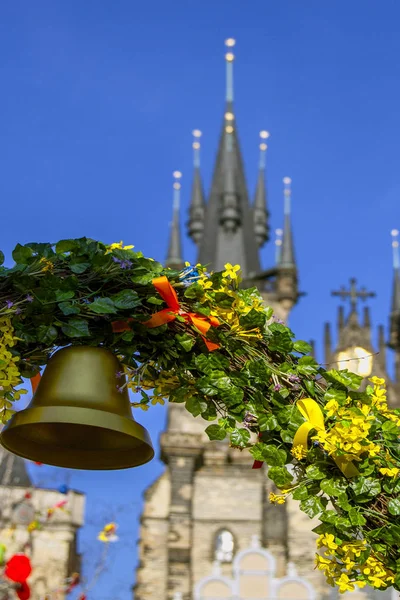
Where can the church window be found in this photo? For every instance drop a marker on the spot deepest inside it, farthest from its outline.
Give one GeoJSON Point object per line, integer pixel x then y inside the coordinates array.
{"type": "Point", "coordinates": [224, 546]}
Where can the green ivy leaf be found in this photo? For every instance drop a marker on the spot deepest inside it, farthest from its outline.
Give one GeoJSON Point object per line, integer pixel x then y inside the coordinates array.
{"type": "Point", "coordinates": [350, 380]}
{"type": "Point", "coordinates": [79, 267]}
{"type": "Point", "coordinates": [280, 476]}
{"type": "Point", "coordinates": [307, 365]}
{"type": "Point", "coordinates": [334, 486]}
{"type": "Point", "coordinates": [186, 341]}
{"type": "Point", "coordinates": [194, 291]}
{"type": "Point", "coordinates": [312, 506]}
{"type": "Point", "coordinates": [66, 246]}
{"type": "Point", "coordinates": [240, 437]}
{"type": "Point", "coordinates": [76, 328]}
{"type": "Point", "coordinates": [335, 394]}
{"type": "Point", "coordinates": [67, 308]}
{"type": "Point", "coordinates": [47, 334]}
{"type": "Point", "coordinates": [315, 472]}
{"type": "Point", "coordinates": [365, 486]}
{"type": "Point", "coordinates": [268, 453]}
{"type": "Point", "coordinates": [302, 347]}
{"type": "Point", "coordinates": [268, 423]}
{"type": "Point", "coordinates": [21, 254]}
{"type": "Point", "coordinates": [356, 517]}
{"type": "Point", "coordinates": [126, 299]}
{"type": "Point", "coordinates": [62, 295]}
{"type": "Point", "coordinates": [215, 432]}
{"type": "Point", "coordinates": [394, 506]}
{"type": "Point", "coordinates": [103, 306]}
{"type": "Point", "coordinates": [195, 406]}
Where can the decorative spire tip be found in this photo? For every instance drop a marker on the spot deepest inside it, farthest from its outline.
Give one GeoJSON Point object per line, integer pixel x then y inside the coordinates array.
{"type": "Point", "coordinates": [264, 135]}
{"type": "Point", "coordinates": [395, 246]}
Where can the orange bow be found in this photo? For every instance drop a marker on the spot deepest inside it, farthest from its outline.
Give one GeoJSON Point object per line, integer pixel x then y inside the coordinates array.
{"type": "Point", "coordinates": [168, 294]}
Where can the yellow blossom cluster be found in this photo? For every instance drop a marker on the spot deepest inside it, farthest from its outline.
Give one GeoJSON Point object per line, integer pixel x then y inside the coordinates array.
{"type": "Point", "coordinates": [349, 435]}
{"type": "Point", "coordinates": [9, 372]}
{"type": "Point", "coordinates": [118, 246]}
{"type": "Point", "coordinates": [239, 307]}
{"type": "Point", "coordinates": [277, 498]}
{"type": "Point", "coordinates": [379, 400]}
{"type": "Point", "coordinates": [344, 565]}
{"type": "Point", "coordinates": [47, 265]}
{"type": "Point", "coordinates": [299, 452]}
{"type": "Point", "coordinates": [162, 383]}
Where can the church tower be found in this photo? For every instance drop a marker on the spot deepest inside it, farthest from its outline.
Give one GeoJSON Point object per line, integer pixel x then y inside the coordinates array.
{"type": "Point", "coordinates": [209, 505]}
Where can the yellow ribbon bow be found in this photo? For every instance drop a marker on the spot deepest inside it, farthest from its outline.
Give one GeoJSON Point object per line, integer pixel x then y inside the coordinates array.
{"type": "Point", "coordinates": [315, 420]}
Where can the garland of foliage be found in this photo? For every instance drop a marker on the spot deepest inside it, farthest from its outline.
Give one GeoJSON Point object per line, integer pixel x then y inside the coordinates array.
{"type": "Point", "coordinates": [219, 350]}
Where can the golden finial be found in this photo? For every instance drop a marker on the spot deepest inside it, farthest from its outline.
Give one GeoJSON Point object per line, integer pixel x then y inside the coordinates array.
{"type": "Point", "coordinates": [229, 129]}
{"type": "Point", "coordinates": [196, 146]}
{"type": "Point", "coordinates": [263, 147]}
{"type": "Point", "coordinates": [264, 135]}
{"type": "Point", "coordinates": [229, 116]}
{"type": "Point", "coordinates": [287, 180]}
{"type": "Point", "coordinates": [197, 133]}
{"type": "Point", "coordinates": [230, 42]}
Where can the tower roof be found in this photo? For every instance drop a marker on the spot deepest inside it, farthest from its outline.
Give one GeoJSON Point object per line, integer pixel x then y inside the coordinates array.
{"type": "Point", "coordinates": [13, 470]}
{"type": "Point", "coordinates": [395, 309]}
{"type": "Point", "coordinates": [174, 257]}
{"type": "Point", "coordinates": [287, 256]}
{"type": "Point", "coordinates": [261, 213]}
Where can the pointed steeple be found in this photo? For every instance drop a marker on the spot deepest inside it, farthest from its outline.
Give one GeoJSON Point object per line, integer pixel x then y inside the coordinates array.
{"type": "Point", "coordinates": [174, 257]}
{"type": "Point", "coordinates": [197, 204]}
{"type": "Point", "coordinates": [395, 308]}
{"type": "Point", "coordinates": [278, 245]}
{"type": "Point", "coordinates": [13, 471]}
{"type": "Point", "coordinates": [287, 258]}
{"type": "Point", "coordinates": [327, 343]}
{"type": "Point", "coordinates": [229, 222]}
{"type": "Point", "coordinates": [261, 214]}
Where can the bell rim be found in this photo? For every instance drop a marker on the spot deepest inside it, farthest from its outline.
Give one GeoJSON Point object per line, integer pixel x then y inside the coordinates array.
{"type": "Point", "coordinates": [76, 416]}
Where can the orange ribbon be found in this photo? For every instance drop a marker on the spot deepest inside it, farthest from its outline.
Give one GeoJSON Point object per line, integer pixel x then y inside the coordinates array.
{"type": "Point", "coordinates": [166, 315]}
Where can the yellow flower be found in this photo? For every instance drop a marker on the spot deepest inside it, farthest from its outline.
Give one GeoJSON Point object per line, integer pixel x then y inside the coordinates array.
{"type": "Point", "coordinates": [299, 452]}
{"type": "Point", "coordinates": [276, 498]}
{"type": "Point", "coordinates": [48, 265]}
{"type": "Point", "coordinates": [231, 271]}
{"type": "Point", "coordinates": [118, 246]}
{"type": "Point", "coordinates": [331, 408]}
{"type": "Point", "coordinates": [393, 472]}
{"type": "Point", "coordinates": [322, 563]}
{"type": "Point", "coordinates": [344, 583]}
{"type": "Point", "coordinates": [377, 380]}
{"type": "Point", "coordinates": [327, 540]}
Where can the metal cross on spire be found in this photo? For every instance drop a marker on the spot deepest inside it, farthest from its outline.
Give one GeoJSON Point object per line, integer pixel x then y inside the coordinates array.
{"type": "Point", "coordinates": [353, 294]}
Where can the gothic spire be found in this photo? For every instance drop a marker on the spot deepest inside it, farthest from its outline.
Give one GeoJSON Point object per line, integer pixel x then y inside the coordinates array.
{"type": "Point", "coordinates": [197, 204]}
{"type": "Point", "coordinates": [395, 308]}
{"type": "Point", "coordinates": [278, 245]}
{"type": "Point", "coordinates": [228, 222]}
{"type": "Point", "coordinates": [287, 257]}
{"type": "Point", "coordinates": [13, 471]}
{"type": "Point", "coordinates": [261, 228]}
{"type": "Point", "coordinates": [174, 257]}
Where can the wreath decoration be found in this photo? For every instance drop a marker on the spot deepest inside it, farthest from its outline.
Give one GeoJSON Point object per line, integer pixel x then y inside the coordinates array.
{"type": "Point", "coordinates": [202, 340]}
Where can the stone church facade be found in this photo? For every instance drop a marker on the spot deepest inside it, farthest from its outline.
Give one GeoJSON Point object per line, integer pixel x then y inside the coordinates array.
{"type": "Point", "coordinates": [209, 506]}
{"type": "Point", "coordinates": [52, 548]}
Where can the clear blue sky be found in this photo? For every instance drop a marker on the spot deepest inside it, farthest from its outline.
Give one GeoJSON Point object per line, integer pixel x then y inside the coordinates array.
{"type": "Point", "coordinates": [98, 103]}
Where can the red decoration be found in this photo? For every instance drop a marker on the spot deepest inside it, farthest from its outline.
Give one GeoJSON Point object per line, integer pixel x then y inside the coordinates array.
{"type": "Point", "coordinates": [28, 495]}
{"type": "Point", "coordinates": [24, 592]}
{"type": "Point", "coordinates": [18, 568]}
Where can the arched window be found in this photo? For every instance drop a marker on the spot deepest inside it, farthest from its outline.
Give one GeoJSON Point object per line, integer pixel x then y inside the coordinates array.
{"type": "Point", "coordinates": [224, 546]}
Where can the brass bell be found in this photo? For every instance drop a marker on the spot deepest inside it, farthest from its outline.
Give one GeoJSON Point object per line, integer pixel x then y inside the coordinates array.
{"type": "Point", "coordinates": [78, 418]}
